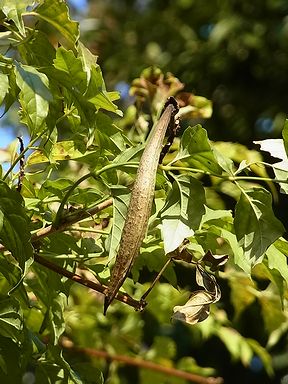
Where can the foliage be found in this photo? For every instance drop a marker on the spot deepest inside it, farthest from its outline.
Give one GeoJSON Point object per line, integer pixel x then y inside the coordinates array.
{"type": "Point", "coordinates": [59, 224]}
{"type": "Point", "coordinates": [235, 52]}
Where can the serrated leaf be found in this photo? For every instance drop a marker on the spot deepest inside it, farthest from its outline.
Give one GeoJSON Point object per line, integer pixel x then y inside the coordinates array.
{"type": "Point", "coordinates": [196, 150]}
{"type": "Point", "coordinates": [13, 11]}
{"type": "Point", "coordinates": [15, 235]}
{"type": "Point", "coordinates": [183, 211]}
{"type": "Point", "coordinates": [56, 13]}
{"type": "Point", "coordinates": [34, 95]}
{"type": "Point", "coordinates": [67, 62]}
{"type": "Point", "coordinates": [11, 322]}
{"type": "Point", "coordinates": [256, 227]}
{"type": "Point", "coordinates": [121, 198]}
{"type": "Point", "coordinates": [97, 94]}
{"type": "Point", "coordinates": [4, 86]}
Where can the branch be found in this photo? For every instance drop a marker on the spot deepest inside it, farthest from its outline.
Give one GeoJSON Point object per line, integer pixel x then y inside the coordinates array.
{"type": "Point", "coordinates": [143, 364]}
{"type": "Point", "coordinates": [73, 218]}
{"type": "Point", "coordinates": [138, 305]}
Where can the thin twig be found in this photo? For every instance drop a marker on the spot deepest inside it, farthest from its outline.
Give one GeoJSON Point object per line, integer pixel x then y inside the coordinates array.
{"type": "Point", "coordinates": [143, 364]}
{"type": "Point", "coordinates": [67, 221]}
{"type": "Point", "coordinates": [155, 280]}
{"type": "Point", "coordinates": [139, 306]}
{"type": "Point", "coordinates": [71, 219]}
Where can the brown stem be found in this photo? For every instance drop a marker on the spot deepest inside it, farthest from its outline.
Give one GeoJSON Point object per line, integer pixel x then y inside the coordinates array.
{"type": "Point", "coordinates": [67, 221]}
{"type": "Point", "coordinates": [144, 364]}
{"type": "Point", "coordinates": [88, 283]}
{"type": "Point", "coordinates": [71, 219]}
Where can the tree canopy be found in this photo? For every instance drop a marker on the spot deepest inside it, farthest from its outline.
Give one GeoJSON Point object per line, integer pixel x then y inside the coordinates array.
{"type": "Point", "coordinates": [212, 268]}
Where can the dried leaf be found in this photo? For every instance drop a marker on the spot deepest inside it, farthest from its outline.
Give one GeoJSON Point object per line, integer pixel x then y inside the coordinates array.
{"type": "Point", "coordinates": [195, 310]}
{"type": "Point", "coordinates": [216, 261]}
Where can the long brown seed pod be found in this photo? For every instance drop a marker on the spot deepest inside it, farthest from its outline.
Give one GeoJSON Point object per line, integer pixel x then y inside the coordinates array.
{"type": "Point", "coordinates": [140, 205]}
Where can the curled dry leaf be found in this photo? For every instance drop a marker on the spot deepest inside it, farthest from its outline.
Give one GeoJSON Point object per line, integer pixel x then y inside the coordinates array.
{"type": "Point", "coordinates": [216, 261]}
{"type": "Point", "coordinates": [195, 310]}
{"type": "Point", "coordinates": [197, 307]}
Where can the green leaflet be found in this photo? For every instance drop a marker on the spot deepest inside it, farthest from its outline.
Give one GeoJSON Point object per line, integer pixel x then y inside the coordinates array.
{"type": "Point", "coordinates": [277, 260]}
{"type": "Point", "coordinates": [55, 369]}
{"type": "Point", "coordinates": [121, 198]}
{"type": "Point", "coordinates": [14, 234]}
{"type": "Point", "coordinates": [13, 11]}
{"type": "Point", "coordinates": [67, 62]}
{"type": "Point", "coordinates": [55, 12]}
{"type": "Point", "coordinates": [183, 211]}
{"type": "Point", "coordinates": [11, 322]}
{"type": "Point", "coordinates": [256, 227]}
{"type": "Point", "coordinates": [34, 96]}
{"type": "Point", "coordinates": [4, 86]}
{"type": "Point", "coordinates": [196, 150]}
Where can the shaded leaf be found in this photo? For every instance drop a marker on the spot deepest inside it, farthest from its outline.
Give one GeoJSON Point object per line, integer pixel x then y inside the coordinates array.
{"type": "Point", "coordinates": [255, 225]}
{"type": "Point", "coordinates": [11, 322]}
{"type": "Point", "coordinates": [14, 235]}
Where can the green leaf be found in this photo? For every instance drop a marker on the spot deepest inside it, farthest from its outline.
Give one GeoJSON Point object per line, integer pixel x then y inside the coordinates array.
{"type": "Point", "coordinates": [11, 322]}
{"type": "Point", "coordinates": [237, 251]}
{"type": "Point", "coordinates": [196, 150]}
{"type": "Point", "coordinates": [67, 62]}
{"type": "Point", "coordinates": [255, 225]}
{"type": "Point", "coordinates": [13, 11]}
{"type": "Point", "coordinates": [97, 94]}
{"type": "Point", "coordinates": [121, 198]}
{"type": "Point", "coordinates": [153, 258]}
{"type": "Point", "coordinates": [4, 86]}
{"type": "Point", "coordinates": [285, 136]}
{"type": "Point", "coordinates": [63, 150]}
{"type": "Point", "coordinates": [56, 13]}
{"type": "Point", "coordinates": [236, 344]}
{"type": "Point", "coordinates": [34, 96]}
{"type": "Point", "coordinates": [14, 235]}
{"type": "Point", "coordinates": [182, 212]}
{"type": "Point", "coordinates": [277, 260]}
{"type": "Point", "coordinates": [53, 368]}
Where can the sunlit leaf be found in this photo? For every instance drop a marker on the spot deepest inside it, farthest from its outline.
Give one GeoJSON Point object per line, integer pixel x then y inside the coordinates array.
{"type": "Point", "coordinates": [4, 86]}
{"type": "Point", "coordinates": [196, 150]}
{"type": "Point", "coordinates": [34, 96]}
{"type": "Point", "coordinates": [13, 11]}
{"type": "Point", "coordinates": [121, 198]}
{"type": "Point", "coordinates": [255, 225]}
{"type": "Point", "coordinates": [182, 212]}
{"type": "Point", "coordinates": [55, 12]}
